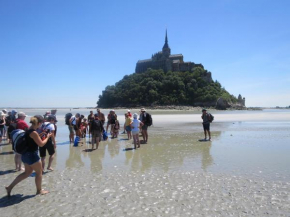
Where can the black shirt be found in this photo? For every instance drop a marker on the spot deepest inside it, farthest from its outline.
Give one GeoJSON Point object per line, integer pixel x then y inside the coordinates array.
{"type": "Point", "coordinates": [32, 146]}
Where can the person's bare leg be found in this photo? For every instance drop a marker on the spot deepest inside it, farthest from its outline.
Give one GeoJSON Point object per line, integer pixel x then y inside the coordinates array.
{"type": "Point", "coordinates": [138, 142]}
{"type": "Point", "coordinates": [205, 135]}
{"type": "Point", "coordinates": [97, 142]}
{"type": "Point", "coordinates": [51, 157]}
{"type": "Point", "coordinates": [18, 162]}
{"type": "Point", "coordinates": [19, 178]}
{"type": "Point", "coordinates": [143, 135]}
{"type": "Point", "coordinates": [146, 136]}
{"type": "Point", "coordinates": [209, 135]}
{"type": "Point", "coordinates": [37, 167]}
{"type": "Point", "coordinates": [94, 141]}
{"type": "Point", "coordinates": [43, 163]}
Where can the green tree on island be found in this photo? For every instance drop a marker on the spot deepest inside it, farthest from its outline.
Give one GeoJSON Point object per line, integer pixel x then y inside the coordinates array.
{"type": "Point", "coordinates": [155, 87]}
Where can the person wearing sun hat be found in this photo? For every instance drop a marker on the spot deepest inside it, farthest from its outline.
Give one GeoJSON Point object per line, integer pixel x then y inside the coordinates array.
{"type": "Point", "coordinates": [147, 121]}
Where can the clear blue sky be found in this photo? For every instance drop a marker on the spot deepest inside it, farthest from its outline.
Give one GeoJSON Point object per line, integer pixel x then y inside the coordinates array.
{"type": "Point", "coordinates": [64, 53]}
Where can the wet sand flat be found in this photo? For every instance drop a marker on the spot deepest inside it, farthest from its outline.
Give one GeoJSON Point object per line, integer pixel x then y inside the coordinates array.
{"type": "Point", "coordinates": [243, 171]}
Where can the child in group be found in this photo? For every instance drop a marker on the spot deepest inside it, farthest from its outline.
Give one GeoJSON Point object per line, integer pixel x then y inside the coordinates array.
{"type": "Point", "coordinates": [135, 130]}
{"type": "Point", "coordinates": [84, 127]}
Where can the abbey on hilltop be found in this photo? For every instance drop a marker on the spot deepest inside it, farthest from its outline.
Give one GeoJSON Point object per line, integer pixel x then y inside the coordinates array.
{"type": "Point", "coordinates": [164, 60]}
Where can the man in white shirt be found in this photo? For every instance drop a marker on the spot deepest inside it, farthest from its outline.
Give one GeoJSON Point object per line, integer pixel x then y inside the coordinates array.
{"type": "Point", "coordinates": [50, 146]}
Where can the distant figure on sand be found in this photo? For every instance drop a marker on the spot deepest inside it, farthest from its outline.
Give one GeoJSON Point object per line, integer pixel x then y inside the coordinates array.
{"type": "Point", "coordinates": [135, 130]}
{"type": "Point", "coordinates": [30, 158]}
{"type": "Point", "coordinates": [206, 123]}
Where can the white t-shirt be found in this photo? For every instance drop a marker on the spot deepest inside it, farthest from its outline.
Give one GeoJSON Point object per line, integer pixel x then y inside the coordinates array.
{"type": "Point", "coordinates": [135, 125]}
{"type": "Point", "coordinates": [73, 120]}
{"type": "Point", "coordinates": [49, 126]}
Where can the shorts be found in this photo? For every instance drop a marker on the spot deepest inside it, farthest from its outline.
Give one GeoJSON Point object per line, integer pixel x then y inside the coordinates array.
{"type": "Point", "coordinates": [144, 127]}
{"type": "Point", "coordinates": [71, 129]}
{"type": "Point", "coordinates": [135, 133]}
{"type": "Point", "coordinates": [113, 121]}
{"type": "Point", "coordinates": [128, 129]}
{"type": "Point", "coordinates": [49, 147]}
{"type": "Point", "coordinates": [30, 157]}
{"type": "Point", "coordinates": [206, 127]}
{"type": "Point", "coordinates": [96, 133]}
{"type": "Point", "coordinates": [75, 127]}
{"type": "Point", "coordinates": [96, 136]}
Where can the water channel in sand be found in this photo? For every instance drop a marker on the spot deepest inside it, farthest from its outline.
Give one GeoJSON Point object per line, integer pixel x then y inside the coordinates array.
{"type": "Point", "coordinates": [248, 143]}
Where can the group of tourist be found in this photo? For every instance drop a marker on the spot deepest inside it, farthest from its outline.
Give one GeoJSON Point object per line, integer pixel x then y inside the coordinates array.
{"type": "Point", "coordinates": [78, 126]}
{"type": "Point", "coordinates": [40, 136]}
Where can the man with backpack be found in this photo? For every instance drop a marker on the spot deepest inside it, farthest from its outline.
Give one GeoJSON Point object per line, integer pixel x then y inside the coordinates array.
{"type": "Point", "coordinates": [147, 121]}
{"type": "Point", "coordinates": [96, 129]}
{"type": "Point", "coordinates": [207, 119]}
{"type": "Point", "coordinates": [68, 117]}
{"type": "Point", "coordinates": [50, 146]}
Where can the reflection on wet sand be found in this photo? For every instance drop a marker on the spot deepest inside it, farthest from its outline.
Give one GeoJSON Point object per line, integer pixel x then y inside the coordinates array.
{"type": "Point", "coordinates": [169, 153]}
{"type": "Point", "coordinates": [74, 159]}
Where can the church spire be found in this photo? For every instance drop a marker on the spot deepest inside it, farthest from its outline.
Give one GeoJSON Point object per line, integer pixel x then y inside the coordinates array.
{"type": "Point", "coordinates": [166, 49]}
{"type": "Point", "coordinates": [166, 41]}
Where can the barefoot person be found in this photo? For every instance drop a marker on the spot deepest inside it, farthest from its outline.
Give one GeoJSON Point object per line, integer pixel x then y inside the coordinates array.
{"type": "Point", "coordinates": [50, 146]}
{"type": "Point", "coordinates": [127, 124]}
{"type": "Point", "coordinates": [147, 121]}
{"type": "Point", "coordinates": [30, 158]}
{"type": "Point", "coordinates": [206, 123]}
{"type": "Point", "coordinates": [135, 130]}
{"type": "Point", "coordinates": [97, 129]}
{"type": "Point", "coordinates": [22, 125]}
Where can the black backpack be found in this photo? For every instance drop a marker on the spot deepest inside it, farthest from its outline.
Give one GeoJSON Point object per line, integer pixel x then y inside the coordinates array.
{"type": "Point", "coordinates": [211, 117]}
{"type": "Point", "coordinates": [96, 125]}
{"type": "Point", "coordinates": [67, 118]}
{"type": "Point", "coordinates": [19, 141]}
{"type": "Point", "coordinates": [150, 121]}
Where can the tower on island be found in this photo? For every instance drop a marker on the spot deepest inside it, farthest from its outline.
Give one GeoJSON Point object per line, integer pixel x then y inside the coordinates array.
{"type": "Point", "coordinates": [165, 61]}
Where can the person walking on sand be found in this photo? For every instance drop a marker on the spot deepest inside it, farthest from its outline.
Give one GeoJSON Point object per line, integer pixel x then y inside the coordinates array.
{"type": "Point", "coordinates": [50, 146]}
{"type": "Point", "coordinates": [97, 129]}
{"type": "Point", "coordinates": [206, 124]}
{"type": "Point", "coordinates": [30, 158]}
{"type": "Point", "coordinates": [135, 130]}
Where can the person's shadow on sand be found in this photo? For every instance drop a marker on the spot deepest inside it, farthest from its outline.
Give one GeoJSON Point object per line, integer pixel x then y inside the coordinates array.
{"type": "Point", "coordinates": [7, 172]}
{"type": "Point", "coordinates": [13, 199]}
{"type": "Point", "coordinates": [6, 153]}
